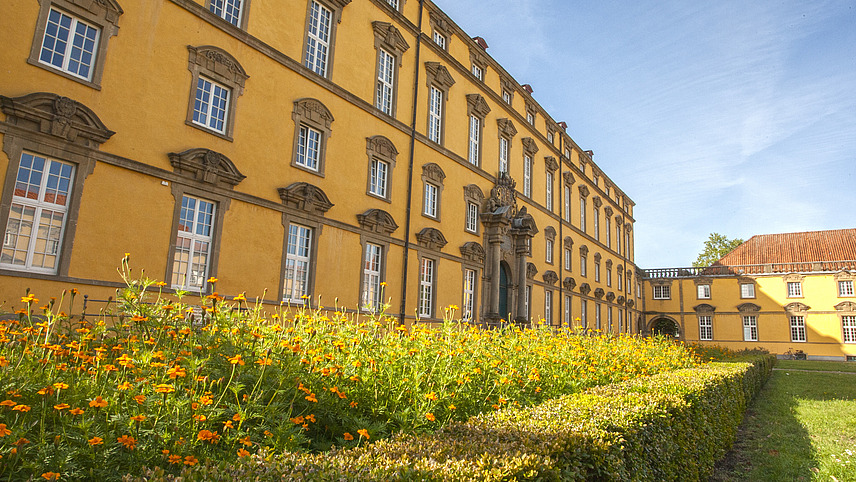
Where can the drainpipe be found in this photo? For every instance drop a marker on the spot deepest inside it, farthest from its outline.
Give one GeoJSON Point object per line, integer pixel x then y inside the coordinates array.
{"type": "Point", "coordinates": [562, 215]}
{"type": "Point", "coordinates": [403, 307]}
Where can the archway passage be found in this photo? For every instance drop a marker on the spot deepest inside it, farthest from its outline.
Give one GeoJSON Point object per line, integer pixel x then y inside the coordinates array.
{"type": "Point", "coordinates": [503, 291]}
{"type": "Point", "coordinates": [664, 326]}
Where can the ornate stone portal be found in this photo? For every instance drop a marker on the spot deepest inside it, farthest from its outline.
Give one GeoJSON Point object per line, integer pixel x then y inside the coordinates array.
{"type": "Point", "coordinates": [508, 234]}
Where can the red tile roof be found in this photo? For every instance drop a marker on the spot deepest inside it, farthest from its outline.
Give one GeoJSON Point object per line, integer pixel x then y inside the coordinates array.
{"type": "Point", "coordinates": [805, 247]}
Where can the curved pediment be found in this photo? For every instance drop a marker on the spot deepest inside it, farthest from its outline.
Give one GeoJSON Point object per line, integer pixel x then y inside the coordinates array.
{"type": "Point", "coordinates": [569, 283]}
{"type": "Point", "coordinates": [846, 306]}
{"type": "Point", "coordinates": [598, 292]}
{"type": "Point", "coordinates": [550, 277]}
{"type": "Point", "coordinates": [704, 308]}
{"type": "Point", "coordinates": [216, 60]}
{"type": "Point", "coordinates": [471, 191]}
{"type": "Point", "coordinates": [531, 270]}
{"type": "Point", "coordinates": [377, 221]}
{"type": "Point", "coordinates": [797, 307]}
{"type": "Point", "coordinates": [748, 307]}
{"type": "Point", "coordinates": [57, 116]}
{"type": "Point", "coordinates": [305, 197]}
{"type": "Point", "coordinates": [585, 288]}
{"type": "Point", "coordinates": [431, 238]}
{"type": "Point", "coordinates": [434, 172]}
{"type": "Point", "coordinates": [381, 147]}
{"type": "Point", "coordinates": [314, 111]}
{"type": "Point", "coordinates": [550, 233]}
{"type": "Point", "coordinates": [207, 166]}
{"type": "Point", "coordinates": [473, 251]}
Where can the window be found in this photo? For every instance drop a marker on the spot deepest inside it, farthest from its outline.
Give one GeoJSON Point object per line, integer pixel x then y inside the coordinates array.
{"type": "Point", "coordinates": [527, 176]}
{"type": "Point", "coordinates": [429, 205]}
{"type": "Point", "coordinates": [506, 96]}
{"type": "Point", "coordinates": [618, 237]}
{"type": "Point", "coordinates": [478, 71]}
{"type": "Point", "coordinates": [567, 310]}
{"type": "Point", "coordinates": [390, 46]}
{"type": "Point", "coordinates": [549, 204]}
{"type": "Point", "coordinates": [567, 153]}
{"type": "Point", "coordinates": [318, 38]}
{"type": "Point", "coordinates": [797, 328]}
{"type": "Point", "coordinates": [549, 251]}
{"type": "Point", "coordinates": [472, 217]}
{"type": "Point", "coordinates": [608, 277]}
{"type": "Point", "coordinates": [794, 289]}
{"type": "Point", "coordinates": [37, 216]}
{"type": "Point", "coordinates": [379, 178]}
{"type": "Point", "coordinates": [74, 45]}
{"type": "Point", "coordinates": [381, 161]}
{"type": "Point", "coordinates": [568, 259]}
{"type": "Point", "coordinates": [503, 155]}
{"type": "Point", "coordinates": [620, 279]}
{"type": "Point", "coordinates": [848, 325]}
{"type": "Point", "coordinates": [385, 81]}
{"type": "Point", "coordinates": [607, 230]}
{"type": "Point", "coordinates": [703, 292]}
{"type": "Point", "coordinates": [439, 83]}
{"type": "Point", "coordinates": [193, 244]}
{"type": "Point", "coordinates": [845, 288]}
{"type": "Point", "coordinates": [526, 303]}
{"type": "Point", "coordinates": [432, 181]}
{"type": "Point", "coordinates": [750, 328]}
{"type": "Point", "coordinates": [473, 155]}
{"type": "Point", "coordinates": [597, 271]}
{"type": "Point", "coordinates": [217, 79]}
{"type": "Point", "coordinates": [426, 288]}
{"type": "Point", "coordinates": [620, 321]}
{"type": "Point", "coordinates": [629, 282]}
{"type": "Point", "coordinates": [583, 264]}
{"type": "Point", "coordinates": [530, 118]}
{"type": "Point", "coordinates": [705, 328]}
{"type": "Point", "coordinates": [308, 148]}
{"type": "Point", "coordinates": [609, 319]}
{"type": "Point", "coordinates": [550, 137]}
{"type": "Point", "coordinates": [435, 114]}
{"type": "Point", "coordinates": [595, 179]}
{"type": "Point", "coordinates": [747, 290]}
{"type": "Point", "coordinates": [228, 10]}
{"type": "Point", "coordinates": [662, 292]}
{"type": "Point", "coordinates": [583, 213]}
{"type": "Point", "coordinates": [297, 259]}
{"type": "Point", "coordinates": [597, 310]}
{"type": "Point", "coordinates": [372, 265]}
{"type": "Point", "coordinates": [548, 307]}
{"type": "Point", "coordinates": [567, 213]}
{"type": "Point", "coordinates": [584, 313]}
{"type": "Point", "coordinates": [312, 129]}
{"type": "Point", "coordinates": [596, 214]}
{"type": "Point", "coordinates": [439, 39]}
{"type": "Point", "coordinates": [393, 3]}
{"type": "Point", "coordinates": [469, 294]}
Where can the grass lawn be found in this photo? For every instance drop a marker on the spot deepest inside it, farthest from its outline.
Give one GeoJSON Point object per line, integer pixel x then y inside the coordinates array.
{"type": "Point", "coordinates": [800, 427]}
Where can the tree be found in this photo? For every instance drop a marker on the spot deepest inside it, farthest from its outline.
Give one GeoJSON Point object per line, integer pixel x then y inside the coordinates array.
{"type": "Point", "coordinates": [715, 248]}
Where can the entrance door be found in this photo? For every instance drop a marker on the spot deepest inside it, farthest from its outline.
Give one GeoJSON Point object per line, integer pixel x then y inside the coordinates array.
{"type": "Point", "coordinates": [503, 291]}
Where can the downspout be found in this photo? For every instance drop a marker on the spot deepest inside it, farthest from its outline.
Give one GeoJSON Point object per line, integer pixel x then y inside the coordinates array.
{"type": "Point", "coordinates": [562, 215]}
{"type": "Point", "coordinates": [402, 310]}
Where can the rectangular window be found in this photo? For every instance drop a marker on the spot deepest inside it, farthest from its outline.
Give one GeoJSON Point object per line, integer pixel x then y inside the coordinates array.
{"type": "Point", "coordinates": [378, 182]}
{"type": "Point", "coordinates": [705, 328]}
{"type": "Point", "coordinates": [506, 96]}
{"type": "Point", "coordinates": [371, 277]}
{"type": "Point", "coordinates": [430, 201]}
{"type": "Point", "coordinates": [794, 289]}
{"type": "Point", "coordinates": [797, 328]}
{"type": "Point", "coordinates": [597, 272]}
{"type": "Point", "coordinates": [530, 118]}
{"type": "Point", "coordinates": [475, 140]}
{"type": "Point", "coordinates": [393, 3]}
{"type": "Point", "coordinates": [308, 148]}
{"type": "Point", "coordinates": [527, 176]}
{"type": "Point", "coordinates": [609, 319]}
{"type": "Point", "coordinates": [297, 258]}
{"type": "Point", "coordinates": [584, 313]}
{"type": "Point", "coordinates": [549, 251]}
{"type": "Point", "coordinates": [845, 288]}
{"type": "Point", "coordinates": [747, 290]}
{"type": "Point", "coordinates": [472, 217]}
{"type": "Point", "coordinates": [548, 307]}
{"type": "Point", "coordinates": [703, 292]}
{"type": "Point", "coordinates": [37, 216]}
{"type": "Point", "coordinates": [848, 325]}
{"type": "Point", "coordinates": [607, 232]}
{"type": "Point", "coordinates": [662, 292]}
{"type": "Point", "coordinates": [435, 114]}
{"type": "Point", "coordinates": [318, 38]}
{"type": "Point", "coordinates": [478, 72]}
{"type": "Point", "coordinates": [567, 310]}
{"type": "Point", "coordinates": [598, 325]}
{"type": "Point", "coordinates": [385, 81]}
{"type": "Point", "coordinates": [211, 105]}
{"type": "Point", "coordinates": [567, 213]}
{"type": "Point", "coordinates": [193, 244]}
{"type": "Point", "coordinates": [750, 328]}
{"type": "Point", "coordinates": [568, 261]}
{"type": "Point", "coordinates": [609, 278]}
{"type": "Point", "coordinates": [549, 204]}
{"type": "Point", "coordinates": [567, 153]}
{"type": "Point", "coordinates": [620, 280]}
{"type": "Point", "coordinates": [583, 265]}
{"type": "Point", "coordinates": [618, 238]}
{"type": "Point", "coordinates": [596, 219]}
{"type": "Point", "coordinates": [582, 214]}
{"type": "Point", "coordinates": [550, 137]}
{"type": "Point", "coordinates": [69, 44]}
{"type": "Point", "coordinates": [228, 10]}
{"type": "Point", "coordinates": [439, 39]}
{"type": "Point", "coordinates": [426, 288]}
{"type": "Point", "coordinates": [469, 294]}
{"type": "Point", "coordinates": [503, 155]}
{"type": "Point", "coordinates": [620, 321]}
{"type": "Point", "coordinates": [526, 305]}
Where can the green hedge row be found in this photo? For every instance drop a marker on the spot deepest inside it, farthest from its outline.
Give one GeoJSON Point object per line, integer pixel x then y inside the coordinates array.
{"type": "Point", "coordinates": [672, 426]}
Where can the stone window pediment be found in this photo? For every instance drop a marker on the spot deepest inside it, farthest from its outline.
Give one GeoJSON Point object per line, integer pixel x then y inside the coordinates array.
{"type": "Point", "coordinates": [550, 233]}
{"type": "Point", "coordinates": [569, 283]}
{"type": "Point", "coordinates": [846, 306]}
{"type": "Point", "coordinates": [531, 270]}
{"type": "Point", "coordinates": [608, 211]}
{"type": "Point", "coordinates": [473, 251]}
{"type": "Point", "coordinates": [657, 281]}
{"type": "Point", "coordinates": [748, 307]}
{"type": "Point", "coordinates": [218, 64]}
{"type": "Point", "coordinates": [793, 277]}
{"type": "Point", "coordinates": [597, 202]}
{"type": "Point", "coordinates": [704, 308]}
{"type": "Point", "coordinates": [550, 277]}
{"type": "Point", "coordinates": [207, 166]}
{"type": "Point", "coordinates": [569, 178]}
{"type": "Point", "coordinates": [620, 300]}
{"type": "Point", "coordinates": [598, 292]}
{"type": "Point", "coordinates": [58, 116]}
{"type": "Point", "coordinates": [439, 75]}
{"type": "Point", "coordinates": [551, 164]}
{"type": "Point", "coordinates": [506, 127]}
{"type": "Point", "coordinates": [609, 264]}
{"type": "Point", "coordinates": [381, 147]}
{"type": "Point", "coordinates": [477, 105]}
{"type": "Point", "coordinates": [433, 172]}
{"type": "Point", "coordinates": [389, 38]}
{"type": "Point", "coordinates": [610, 296]}
{"type": "Point", "coordinates": [529, 146]}
{"type": "Point", "coordinates": [314, 113]}
{"type": "Point", "coordinates": [585, 288]}
{"type": "Point", "coordinates": [844, 276]}
{"type": "Point", "coordinates": [377, 221]}
{"type": "Point", "coordinates": [584, 191]}
{"type": "Point", "coordinates": [473, 193]}
{"type": "Point", "coordinates": [569, 243]}
{"type": "Point", "coordinates": [584, 250]}
{"type": "Point", "coordinates": [796, 307]}
{"type": "Point", "coordinates": [431, 238]}
{"type": "Point", "coordinates": [305, 197]}
{"type": "Point", "coordinates": [597, 257]}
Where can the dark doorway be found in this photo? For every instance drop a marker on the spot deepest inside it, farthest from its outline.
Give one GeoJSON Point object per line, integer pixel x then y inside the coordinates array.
{"type": "Point", "coordinates": [666, 327]}
{"type": "Point", "coordinates": [503, 291]}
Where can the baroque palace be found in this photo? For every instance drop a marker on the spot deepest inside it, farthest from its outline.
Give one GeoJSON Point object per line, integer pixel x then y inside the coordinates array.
{"type": "Point", "coordinates": [321, 152]}
{"type": "Point", "coordinates": [787, 293]}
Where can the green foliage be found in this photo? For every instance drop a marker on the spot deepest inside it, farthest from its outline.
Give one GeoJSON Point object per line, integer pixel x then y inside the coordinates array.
{"type": "Point", "coordinates": [670, 426]}
{"type": "Point", "coordinates": [715, 248]}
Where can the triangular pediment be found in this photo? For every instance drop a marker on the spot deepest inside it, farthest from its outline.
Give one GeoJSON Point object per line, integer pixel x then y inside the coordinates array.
{"type": "Point", "coordinates": [478, 104]}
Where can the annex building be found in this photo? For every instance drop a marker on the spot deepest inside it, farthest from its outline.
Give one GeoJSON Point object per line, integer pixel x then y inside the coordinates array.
{"type": "Point", "coordinates": [789, 292]}
{"type": "Point", "coordinates": [332, 152]}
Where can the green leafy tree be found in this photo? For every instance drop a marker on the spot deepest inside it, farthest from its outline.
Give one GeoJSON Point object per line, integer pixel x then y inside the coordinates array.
{"type": "Point", "coordinates": [715, 248]}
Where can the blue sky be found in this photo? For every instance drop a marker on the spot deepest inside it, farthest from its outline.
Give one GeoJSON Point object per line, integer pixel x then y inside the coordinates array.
{"type": "Point", "coordinates": [726, 116]}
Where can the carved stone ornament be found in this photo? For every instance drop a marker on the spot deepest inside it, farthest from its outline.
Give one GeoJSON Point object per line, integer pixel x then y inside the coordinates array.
{"type": "Point", "coordinates": [313, 111]}
{"type": "Point", "coordinates": [629, 303]}
{"type": "Point", "coordinates": [608, 264]}
{"type": "Point", "coordinates": [793, 277]}
{"type": "Point", "coordinates": [797, 307]}
{"type": "Point", "coordinates": [608, 211]}
{"type": "Point", "coordinates": [431, 238]}
{"type": "Point", "coordinates": [531, 270]}
{"type": "Point", "coordinates": [569, 178]}
{"type": "Point", "coordinates": [529, 145]}
{"type": "Point", "coordinates": [503, 195]}
{"type": "Point", "coordinates": [569, 283]}
{"type": "Point", "coordinates": [704, 308]}
{"type": "Point", "coordinates": [506, 127]}
{"type": "Point", "coordinates": [478, 105]}
{"type": "Point", "coordinates": [58, 116]}
{"type": "Point", "coordinates": [569, 243]}
{"type": "Point", "coordinates": [610, 296]}
{"type": "Point", "coordinates": [550, 277]}
{"type": "Point", "coordinates": [620, 300]}
{"type": "Point", "coordinates": [843, 276]}
{"type": "Point", "coordinates": [748, 307]}
{"type": "Point", "coordinates": [390, 38]}
{"type": "Point", "coordinates": [597, 202]}
{"type": "Point", "coordinates": [109, 10]}
{"type": "Point", "coordinates": [597, 257]}
{"type": "Point", "coordinates": [434, 172]}
{"type": "Point", "coordinates": [524, 224]}
{"type": "Point", "coordinates": [846, 306]}
{"type": "Point", "coordinates": [207, 166]}
{"type": "Point", "coordinates": [598, 292]}
{"type": "Point", "coordinates": [305, 197]}
{"type": "Point", "coordinates": [439, 74]}
{"type": "Point", "coordinates": [377, 221]}
{"type": "Point", "coordinates": [438, 20]}
{"type": "Point", "coordinates": [381, 147]}
{"type": "Point", "coordinates": [584, 191]}
{"type": "Point", "coordinates": [585, 288]}
{"type": "Point", "coordinates": [550, 233]}
{"type": "Point", "coordinates": [218, 61]}
{"type": "Point", "coordinates": [473, 251]}
{"type": "Point", "coordinates": [552, 164]}
{"type": "Point", "coordinates": [584, 250]}
{"type": "Point", "coordinates": [471, 191]}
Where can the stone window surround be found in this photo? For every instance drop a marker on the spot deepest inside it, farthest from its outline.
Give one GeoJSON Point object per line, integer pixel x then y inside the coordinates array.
{"type": "Point", "coordinates": [422, 254]}
{"type": "Point", "coordinates": [389, 38]}
{"type": "Point", "coordinates": [843, 276]}
{"type": "Point", "coordinates": [507, 86]}
{"type": "Point", "coordinates": [433, 174]}
{"type": "Point", "coordinates": [377, 227]}
{"type": "Point", "coordinates": [314, 114]}
{"type": "Point", "coordinates": [506, 131]}
{"type": "Point", "coordinates": [438, 76]}
{"type": "Point", "coordinates": [478, 59]}
{"type": "Point", "coordinates": [382, 149]}
{"type": "Point", "coordinates": [245, 13]}
{"type": "Point", "coordinates": [550, 237]}
{"type": "Point", "coordinates": [384, 243]}
{"type": "Point", "coordinates": [218, 65]}
{"type": "Point", "coordinates": [473, 194]}
{"type": "Point", "coordinates": [472, 258]}
{"type": "Point", "coordinates": [793, 278]}
{"type": "Point", "coordinates": [441, 24]}
{"type": "Point", "coordinates": [335, 6]}
{"type": "Point", "coordinates": [104, 15]}
{"type": "Point", "coordinates": [477, 106]}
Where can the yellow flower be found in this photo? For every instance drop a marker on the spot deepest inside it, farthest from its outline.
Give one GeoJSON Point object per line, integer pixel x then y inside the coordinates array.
{"type": "Point", "coordinates": [164, 388]}
{"type": "Point", "coordinates": [363, 433]}
{"type": "Point", "coordinates": [240, 297]}
{"type": "Point", "coordinates": [174, 459]}
{"type": "Point", "coordinates": [76, 411]}
{"type": "Point", "coordinates": [236, 360]}
{"type": "Point", "coordinates": [21, 408]}
{"type": "Point", "coordinates": [208, 436]}
{"type": "Point", "coordinates": [60, 385]}
{"type": "Point", "coordinates": [98, 402]}
{"type": "Point", "coordinates": [96, 441]}
{"type": "Point", "coordinates": [213, 280]}
{"type": "Point", "coordinates": [138, 418]}
{"type": "Point", "coordinates": [431, 396]}
{"type": "Point", "coordinates": [140, 399]}
{"type": "Point", "coordinates": [8, 403]}
{"type": "Point", "coordinates": [236, 417]}
{"type": "Point", "coordinates": [246, 441]}
{"type": "Point", "coordinates": [30, 298]}
{"type": "Point", "coordinates": [124, 386]}
{"type": "Point", "coordinates": [62, 406]}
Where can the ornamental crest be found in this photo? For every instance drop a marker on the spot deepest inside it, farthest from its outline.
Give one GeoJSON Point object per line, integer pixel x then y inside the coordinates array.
{"type": "Point", "coordinates": [502, 195]}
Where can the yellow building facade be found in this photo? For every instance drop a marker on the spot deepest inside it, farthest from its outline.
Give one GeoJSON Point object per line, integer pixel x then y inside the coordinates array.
{"type": "Point", "coordinates": [327, 152]}
{"type": "Point", "coordinates": [788, 293]}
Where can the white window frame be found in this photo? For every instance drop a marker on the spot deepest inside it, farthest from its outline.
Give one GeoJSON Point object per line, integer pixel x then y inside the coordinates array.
{"type": "Point", "coordinates": [747, 290]}
{"type": "Point", "coordinates": [298, 259]}
{"type": "Point", "coordinates": [582, 213]}
{"type": "Point", "coordinates": [607, 231]}
{"type": "Point", "coordinates": [596, 222]}
{"type": "Point", "coordinates": [583, 265]}
{"type": "Point", "coordinates": [618, 238]}
{"type": "Point", "coordinates": [472, 225]}
{"type": "Point", "coordinates": [549, 188]}
{"type": "Point", "coordinates": [548, 306]}
{"type": "Point", "coordinates": [318, 38]}
{"type": "Point", "coordinates": [750, 328]}
{"type": "Point", "coordinates": [503, 155]}
{"type": "Point", "coordinates": [705, 328]}
{"type": "Point", "coordinates": [385, 88]}
{"type": "Point", "coordinates": [430, 200]}
{"type": "Point", "coordinates": [71, 46]}
{"type": "Point", "coordinates": [620, 321]}
{"type": "Point", "coordinates": [372, 277]}
{"type": "Point", "coordinates": [609, 278]}
{"type": "Point", "coordinates": [703, 291]}
{"type": "Point", "coordinates": [54, 180]}
{"type": "Point", "coordinates": [474, 140]}
{"type": "Point", "coordinates": [845, 288]}
{"type": "Point", "coordinates": [584, 313]}
{"type": "Point", "coordinates": [393, 3]}
{"type": "Point", "coordinates": [226, 9]}
{"type": "Point", "coordinates": [794, 289]}
{"type": "Point", "coordinates": [568, 310]}
{"type": "Point", "coordinates": [427, 274]}
{"type": "Point", "coordinates": [568, 259]}
{"type": "Point", "coordinates": [527, 176]}
{"type": "Point", "coordinates": [797, 324]}
{"type": "Point", "coordinates": [597, 271]}
{"type": "Point", "coordinates": [567, 213]}
{"type": "Point", "coordinates": [379, 178]}
{"type": "Point", "coordinates": [548, 249]}
{"type": "Point", "coordinates": [193, 276]}
{"type": "Point", "coordinates": [469, 290]}
{"type": "Point", "coordinates": [620, 280]}
{"type": "Point", "coordinates": [597, 318]}
{"type": "Point", "coordinates": [435, 115]}
{"type": "Point", "coordinates": [530, 118]}
{"type": "Point", "coordinates": [309, 145]}
{"type": "Point", "coordinates": [609, 319]}
{"type": "Point", "coordinates": [211, 104]}
{"type": "Point", "coordinates": [439, 39]}
{"type": "Point", "coordinates": [478, 72]}
{"type": "Point", "coordinates": [662, 292]}
{"type": "Point", "coordinates": [848, 328]}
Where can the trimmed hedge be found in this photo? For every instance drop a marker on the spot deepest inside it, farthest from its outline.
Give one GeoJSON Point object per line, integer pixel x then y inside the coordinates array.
{"type": "Point", "coordinates": [670, 426]}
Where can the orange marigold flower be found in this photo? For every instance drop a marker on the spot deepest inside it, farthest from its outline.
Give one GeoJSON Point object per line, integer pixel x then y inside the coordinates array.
{"type": "Point", "coordinates": [246, 441]}
{"type": "Point", "coordinates": [98, 402]}
{"type": "Point", "coordinates": [237, 417]}
{"type": "Point", "coordinates": [213, 280]}
{"type": "Point", "coordinates": [3, 430]}
{"type": "Point", "coordinates": [164, 388]}
{"type": "Point", "coordinates": [430, 416]}
{"type": "Point", "coordinates": [227, 425]}
{"type": "Point", "coordinates": [128, 441]}
{"type": "Point", "coordinates": [21, 408]}
{"type": "Point", "coordinates": [176, 371]}
{"type": "Point", "coordinates": [46, 391]}
{"type": "Point", "coordinates": [124, 386]}
{"type": "Point", "coordinates": [76, 411]}
{"type": "Point", "coordinates": [242, 453]}
{"type": "Point", "coordinates": [30, 298]}
{"type": "Point", "coordinates": [60, 385]}
{"type": "Point", "coordinates": [363, 433]}
{"type": "Point", "coordinates": [240, 297]}
{"type": "Point", "coordinates": [348, 436]}
{"type": "Point", "coordinates": [138, 418]}
{"type": "Point", "coordinates": [431, 396]}
{"type": "Point", "coordinates": [236, 360]}
{"type": "Point", "coordinates": [140, 399]}
{"type": "Point", "coordinates": [62, 406]}
{"type": "Point", "coordinates": [96, 441]}
{"type": "Point", "coordinates": [206, 400]}
{"type": "Point", "coordinates": [200, 418]}
{"type": "Point", "coordinates": [264, 361]}
{"type": "Point", "coordinates": [297, 420]}
{"type": "Point", "coordinates": [190, 460]}
{"type": "Point", "coordinates": [311, 397]}
{"type": "Point", "coordinates": [51, 476]}
{"type": "Point", "coordinates": [174, 459]}
{"type": "Point", "coordinates": [353, 404]}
